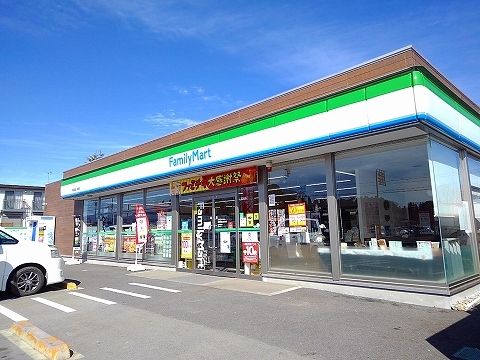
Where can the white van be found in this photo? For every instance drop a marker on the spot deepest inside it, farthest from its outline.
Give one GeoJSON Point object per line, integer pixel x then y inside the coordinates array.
{"type": "Point", "coordinates": [26, 266]}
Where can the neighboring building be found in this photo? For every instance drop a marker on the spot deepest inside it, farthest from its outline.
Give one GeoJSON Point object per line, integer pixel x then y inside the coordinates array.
{"type": "Point", "coordinates": [63, 210]}
{"type": "Point", "coordinates": [366, 179]}
{"type": "Point", "coordinates": [17, 202]}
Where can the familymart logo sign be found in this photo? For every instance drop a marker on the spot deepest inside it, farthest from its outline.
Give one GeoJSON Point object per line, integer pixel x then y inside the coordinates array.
{"type": "Point", "coordinates": [190, 158]}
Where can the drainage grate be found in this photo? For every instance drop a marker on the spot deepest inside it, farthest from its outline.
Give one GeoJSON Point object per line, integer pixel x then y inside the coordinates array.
{"type": "Point", "coordinates": [468, 353]}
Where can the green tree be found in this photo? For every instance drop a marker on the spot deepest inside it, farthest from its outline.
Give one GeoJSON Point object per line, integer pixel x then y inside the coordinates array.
{"type": "Point", "coordinates": [95, 156]}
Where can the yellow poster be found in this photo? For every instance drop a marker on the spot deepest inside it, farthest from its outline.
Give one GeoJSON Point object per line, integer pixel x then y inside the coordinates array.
{"type": "Point", "coordinates": [249, 219]}
{"type": "Point", "coordinates": [297, 215]}
{"type": "Point", "coordinates": [109, 243]}
{"type": "Point", "coordinates": [186, 246]}
{"type": "Point", "coordinates": [129, 244]}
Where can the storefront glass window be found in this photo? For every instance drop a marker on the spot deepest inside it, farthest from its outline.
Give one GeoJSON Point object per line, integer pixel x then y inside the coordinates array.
{"type": "Point", "coordinates": [129, 243]}
{"type": "Point", "coordinates": [159, 212]}
{"type": "Point", "coordinates": [474, 168]}
{"type": "Point", "coordinates": [298, 218]}
{"type": "Point", "coordinates": [90, 231]}
{"type": "Point", "coordinates": [185, 236]}
{"type": "Point", "coordinates": [249, 229]}
{"type": "Point", "coordinates": [107, 235]}
{"type": "Point", "coordinates": [387, 225]}
{"type": "Point", "coordinates": [452, 213]}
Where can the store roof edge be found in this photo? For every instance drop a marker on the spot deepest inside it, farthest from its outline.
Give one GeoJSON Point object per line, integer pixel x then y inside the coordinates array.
{"type": "Point", "coordinates": [407, 58]}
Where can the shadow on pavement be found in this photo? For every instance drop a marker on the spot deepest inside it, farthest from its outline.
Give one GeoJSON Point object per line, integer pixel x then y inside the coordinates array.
{"type": "Point", "coordinates": [62, 285]}
{"type": "Point", "coordinates": [6, 295]}
{"type": "Point", "coordinates": [464, 334]}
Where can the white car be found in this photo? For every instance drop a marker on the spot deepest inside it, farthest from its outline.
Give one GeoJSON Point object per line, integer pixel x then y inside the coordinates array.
{"type": "Point", "coordinates": [26, 266]}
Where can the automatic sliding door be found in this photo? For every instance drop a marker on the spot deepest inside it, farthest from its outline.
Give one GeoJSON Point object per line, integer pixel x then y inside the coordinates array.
{"type": "Point", "coordinates": [225, 234]}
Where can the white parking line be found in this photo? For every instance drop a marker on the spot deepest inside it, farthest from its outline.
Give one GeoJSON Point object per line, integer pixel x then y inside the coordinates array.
{"type": "Point", "coordinates": [155, 287]}
{"type": "Point", "coordinates": [93, 298]}
{"type": "Point", "coordinates": [284, 291]}
{"type": "Point", "coordinates": [11, 314]}
{"type": "Point", "coordinates": [126, 293]}
{"type": "Point", "coordinates": [54, 305]}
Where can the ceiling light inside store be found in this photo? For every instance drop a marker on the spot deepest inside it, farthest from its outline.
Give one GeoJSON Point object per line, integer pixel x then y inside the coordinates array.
{"type": "Point", "coordinates": [343, 172]}
{"type": "Point", "coordinates": [291, 194]}
{"type": "Point", "coordinates": [316, 184]}
{"type": "Point", "coordinates": [288, 187]}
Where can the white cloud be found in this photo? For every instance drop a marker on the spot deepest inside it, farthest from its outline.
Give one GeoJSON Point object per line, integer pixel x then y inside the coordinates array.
{"type": "Point", "coordinates": [170, 122]}
{"type": "Point", "coordinates": [189, 90]}
{"type": "Point", "coordinates": [166, 18]}
{"type": "Point", "coordinates": [291, 50]}
{"type": "Point", "coordinates": [198, 89]}
{"type": "Point", "coordinates": [24, 142]}
{"type": "Point", "coordinates": [181, 90]}
{"type": "Point", "coordinates": [211, 98]}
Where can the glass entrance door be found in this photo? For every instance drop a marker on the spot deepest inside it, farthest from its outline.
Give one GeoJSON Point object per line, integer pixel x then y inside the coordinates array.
{"type": "Point", "coordinates": [225, 234]}
{"type": "Point", "coordinates": [215, 233]}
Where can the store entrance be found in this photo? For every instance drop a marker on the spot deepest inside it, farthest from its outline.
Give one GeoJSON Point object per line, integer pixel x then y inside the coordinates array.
{"type": "Point", "coordinates": [216, 233]}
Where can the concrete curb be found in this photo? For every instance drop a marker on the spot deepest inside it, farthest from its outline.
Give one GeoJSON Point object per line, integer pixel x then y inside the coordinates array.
{"type": "Point", "coordinates": [49, 346]}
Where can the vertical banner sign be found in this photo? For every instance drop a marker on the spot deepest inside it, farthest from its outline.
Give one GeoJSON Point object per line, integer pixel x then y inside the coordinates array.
{"type": "Point", "coordinates": [77, 229]}
{"type": "Point", "coordinates": [381, 177]}
{"type": "Point", "coordinates": [199, 241]}
{"type": "Point", "coordinates": [141, 220]}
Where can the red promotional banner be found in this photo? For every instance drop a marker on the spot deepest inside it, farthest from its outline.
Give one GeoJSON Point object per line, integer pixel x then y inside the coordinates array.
{"type": "Point", "coordinates": [215, 181]}
{"type": "Point", "coordinates": [141, 220]}
{"type": "Point", "coordinates": [250, 252]}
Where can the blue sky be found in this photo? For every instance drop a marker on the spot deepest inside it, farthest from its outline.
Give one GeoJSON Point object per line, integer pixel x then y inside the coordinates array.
{"type": "Point", "coordinates": [81, 76]}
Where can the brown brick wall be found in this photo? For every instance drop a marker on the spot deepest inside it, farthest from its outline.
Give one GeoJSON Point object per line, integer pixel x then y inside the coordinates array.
{"type": "Point", "coordinates": [63, 210]}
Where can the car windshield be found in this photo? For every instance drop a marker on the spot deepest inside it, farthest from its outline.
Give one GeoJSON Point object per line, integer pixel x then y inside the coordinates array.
{"type": "Point", "coordinates": [7, 239]}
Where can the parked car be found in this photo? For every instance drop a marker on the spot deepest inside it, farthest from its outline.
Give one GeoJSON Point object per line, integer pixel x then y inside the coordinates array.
{"type": "Point", "coordinates": [27, 266]}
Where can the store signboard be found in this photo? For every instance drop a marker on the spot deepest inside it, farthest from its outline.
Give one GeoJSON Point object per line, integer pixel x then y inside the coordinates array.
{"type": "Point", "coordinates": [398, 106]}
{"type": "Point", "coordinates": [250, 252]}
{"type": "Point", "coordinates": [223, 180]}
{"type": "Point", "coordinates": [297, 215]}
{"type": "Point", "coordinates": [141, 220]}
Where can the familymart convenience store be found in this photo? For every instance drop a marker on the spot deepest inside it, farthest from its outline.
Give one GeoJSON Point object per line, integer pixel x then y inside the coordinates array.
{"type": "Point", "coordinates": [370, 177]}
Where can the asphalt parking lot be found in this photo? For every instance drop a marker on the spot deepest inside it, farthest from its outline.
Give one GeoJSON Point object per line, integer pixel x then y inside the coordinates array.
{"type": "Point", "coordinates": [161, 314]}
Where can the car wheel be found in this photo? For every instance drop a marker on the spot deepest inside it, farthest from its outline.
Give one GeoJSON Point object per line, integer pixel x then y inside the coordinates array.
{"type": "Point", "coordinates": [27, 281]}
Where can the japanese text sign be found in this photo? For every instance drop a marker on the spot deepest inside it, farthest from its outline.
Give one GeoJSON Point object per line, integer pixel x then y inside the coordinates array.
{"type": "Point", "coordinates": [227, 179]}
